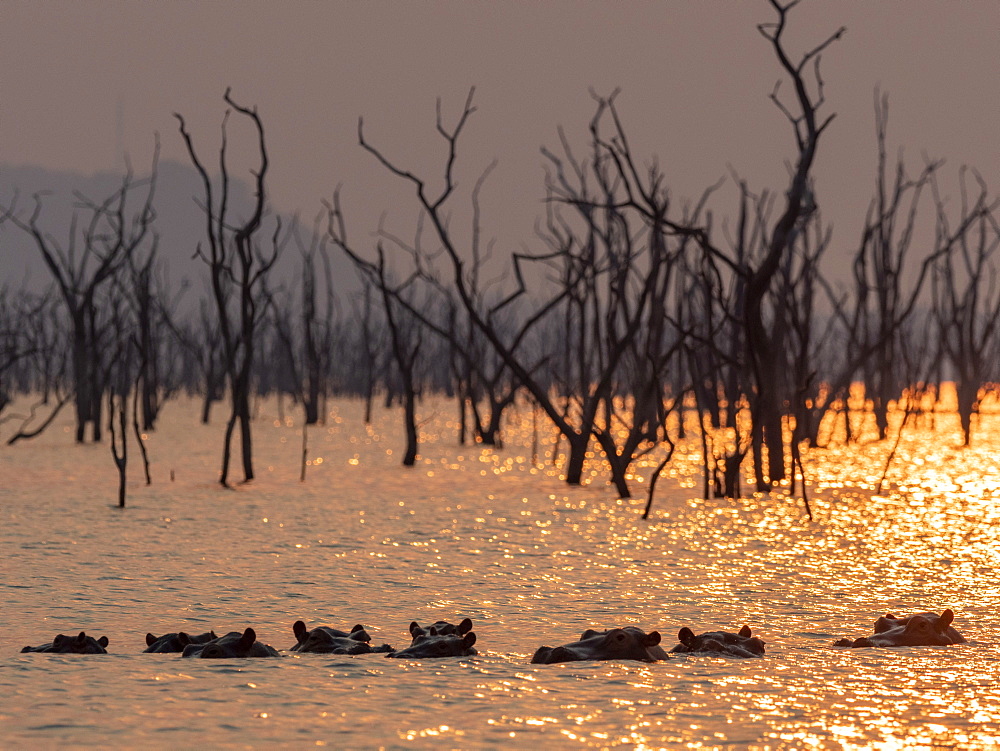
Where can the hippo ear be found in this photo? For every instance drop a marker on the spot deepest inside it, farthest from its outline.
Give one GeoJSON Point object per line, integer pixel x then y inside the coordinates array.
{"type": "Point", "coordinates": [150, 639]}
{"type": "Point", "coordinates": [415, 628]}
{"type": "Point", "coordinates": [103, 641]}
{"type": "Point", "coordinates": [357, 627]}
{"type": "Point", "coordinates": [183, 638]}
{"type": "Point", "coordinates": [946, 618]}
{"type": "Point", "coordinates": [745, 631]}
{"type": "Point", "coordinates": [652, 639]}
{"type": "Point", "coordinates": [212, 634]}
{"type": "Point", "coordinates": [433, 631]}
{"type": "Point", "coordinates": [248, 638]}
{"type": "Point", "coordinates": [81, 638]}
{"type": "Point", "coordinates": [465, 626]}
{"type": "Point", "coordinates": [300, 631]}
{"type": "Point", "coordinates": [686, 636]}
{"type": "Point", "coordinates": [469, 639]}
{"type": "Point", "coordinates": [540, 657]}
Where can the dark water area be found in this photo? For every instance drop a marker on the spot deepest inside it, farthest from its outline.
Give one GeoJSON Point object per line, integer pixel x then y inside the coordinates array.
{"type": "Point", "coordinates": [486, 534]}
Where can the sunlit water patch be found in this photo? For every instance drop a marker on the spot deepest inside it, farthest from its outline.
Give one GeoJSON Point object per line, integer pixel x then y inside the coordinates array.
{"type": "Point", "coordinates": [486, 533]}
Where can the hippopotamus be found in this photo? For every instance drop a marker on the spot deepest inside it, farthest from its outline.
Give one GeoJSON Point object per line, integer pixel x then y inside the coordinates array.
{"type": "Point", "coordinates": [233, 644]}
{"type": "Point", "coordinates": [175, 642]}
{"type": "Point", "coordinates": [627, 643]}
{"type": "Point", "coordinates": [888, 622]}
{"type": "Point", "coordinates": [439, 645]}
{"type": "Point", "coordinates": [441, 627]}
{"type": "Point", "coordinates": [77, 645]}
{"type": "Point", "coordinates": [918, 630]}
{"type": "Point", "coordinates": [329, 640]}
{"type": "Point", "coordinates": [740, 644]}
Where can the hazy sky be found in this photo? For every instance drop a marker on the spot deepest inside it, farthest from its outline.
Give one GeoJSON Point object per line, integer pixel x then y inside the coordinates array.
{"type": "Point", "coordinates": [80, 80]}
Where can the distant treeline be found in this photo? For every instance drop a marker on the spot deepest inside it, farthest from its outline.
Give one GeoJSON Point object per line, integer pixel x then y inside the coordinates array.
{"type": "Point", "coordinates": [625, 305]}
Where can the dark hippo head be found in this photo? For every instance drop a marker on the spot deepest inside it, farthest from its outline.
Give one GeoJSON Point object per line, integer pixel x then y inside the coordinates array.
{"type": "Point", "coordinates": [175, 642]}
{"type": "Point", "coordinates": [439, 645]}
{"type": "Point", "coordinates": [629, 643]}
{"type": "Point", "coordinates": [233, 644]}
{"type": "Point", "coordinates": [330, 640]}
{"type": "Point", "coordinates": [941, 623]}
{"type": "Point", "coordinates": [741, 644]}
{"type": "Point", "coordinates": [913, 631]}
{"type": "Point", "coordinates": [441, 628]}
{"type": "Point", "coordinates": [77, 645]}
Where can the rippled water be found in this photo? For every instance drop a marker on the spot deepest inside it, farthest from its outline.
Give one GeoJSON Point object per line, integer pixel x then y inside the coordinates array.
{"type": "Point", "coordinates": [485, 534]}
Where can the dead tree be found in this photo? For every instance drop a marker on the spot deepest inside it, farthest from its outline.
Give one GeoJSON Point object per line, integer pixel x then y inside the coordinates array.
{"type": "Point", "coordinates": [146, 291]}
{"type": "Point", "coordinates": [886, 290]}
{"type": "Point", "coordinates": [109, 236]}
{"type": "Point", "coordinates": [304, 335]}
{"type": "Point", "coordinates": [405, 328]}
{"type": "Point", "coordinates": [763, 341]}
{"type": "Point", "coordinates": [966, 295]}
{"type": "Point", "coordinates": [371, 345]}
{"type": "Point", "coordinates": [883, 303]}
{"type": "Point", "coordinates": [606, 285]}
{"type": "Point", "coordinates": [43, 347]}
{"type": "Point", "coordinates": [483, 380]}
{"type": "Point", "coordinates": [237, 268]}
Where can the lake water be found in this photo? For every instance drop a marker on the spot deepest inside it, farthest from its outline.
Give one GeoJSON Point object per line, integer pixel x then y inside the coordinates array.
{"type": "Point", "coordinates": [486, 534]}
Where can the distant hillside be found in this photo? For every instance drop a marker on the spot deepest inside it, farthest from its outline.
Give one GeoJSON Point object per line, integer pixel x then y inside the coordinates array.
{"type": "Point", "coordinates": [179, 221]}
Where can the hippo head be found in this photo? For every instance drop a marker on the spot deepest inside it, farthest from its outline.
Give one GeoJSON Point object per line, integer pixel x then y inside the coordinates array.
{"type": "Point", "coordinates": [326, 639]}
{"type": "Point", "coordinates": [942, 623]}
{"type": "Point", "coordinates": [913, 631]}
{"type": "Point", "coordinates": [740, 644]}
{"type": "Point", "coordinates": [629, 643]}
{"type": "Point", "coordinates": [439, 645]}
{"type": "Point", "coordinates": [80, 644]}
{"type": "Point", "coordinates": [230, 647]}
{"type": "Point", "coordinates": [323, 641]}
{"type": "Point", "coordinates": [175, 642]}
{"type": "Point", "coordinates": [441, 628]}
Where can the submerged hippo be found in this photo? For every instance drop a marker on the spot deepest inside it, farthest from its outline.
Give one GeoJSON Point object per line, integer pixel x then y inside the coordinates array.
{"type": "Point", "coordinates": [175, 642]}
{"type": "Point", "coordinates": [628, 643]}
{"type": "Point", "coordinates": [889, 622]}
{"type": "Point", "coordinates": [327, 640]}
{"type": "Point", "coordinates": [439, 645]}
{"type": "Point", "coordinates": [233, 644]}
{"type": "Point", "coordinates": [741, 644]}
{"type": "Point", "coordinates": [76, 645]}
{"type": "Point", "coordinates": [441, 628]}
{"type": "Point", "coordinates": [918, 630]}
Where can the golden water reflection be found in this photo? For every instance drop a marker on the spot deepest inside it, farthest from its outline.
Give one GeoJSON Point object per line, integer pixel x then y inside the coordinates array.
{"type": "Point", "coordinates": [488, 533]}
{"type": "Point", "coordinates": [928, 538]}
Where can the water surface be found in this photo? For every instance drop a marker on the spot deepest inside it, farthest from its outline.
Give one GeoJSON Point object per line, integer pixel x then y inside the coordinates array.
{"type": "Point", "coordinates": [486, 534]}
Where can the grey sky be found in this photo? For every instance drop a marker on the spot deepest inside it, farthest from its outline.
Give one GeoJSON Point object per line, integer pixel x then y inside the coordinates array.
{"type": "Point", "coordinates": [695, 76]}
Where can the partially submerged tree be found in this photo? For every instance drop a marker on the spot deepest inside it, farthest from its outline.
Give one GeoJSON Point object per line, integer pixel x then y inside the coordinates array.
{"type": "Point", "coordinates": [113, 230]}
{"type": "Point", "coordinates": [237, 267]}
{"type": "Point", "coordinates": [967, 293]}
{"type": "Point", "coordinates": [764, 338]}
